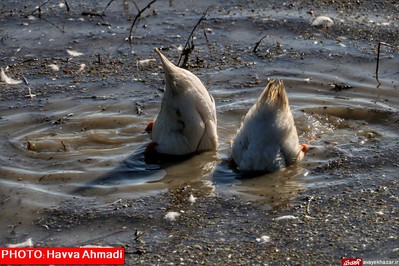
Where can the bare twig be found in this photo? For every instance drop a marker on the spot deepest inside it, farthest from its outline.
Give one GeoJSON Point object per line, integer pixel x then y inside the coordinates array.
{"type": "Point", "coordinates": [67, 6]}
{"type": "Point", "coordinates": [93, 14]}
{"type": "Point", "coordinates": [39, 8]}
{"type": "Point", "coordinates": [258, 43]}
{"type": "Point", "coordinates": [109, 3]}
{"type": "Point", "coordinates": [187, 49]}
{"type": "Point", "coordinates": [51, 23]}
{"type": "Point", "coordinates": [138, 16]}
{"type": "Point", "coordinates": [137, 7]}
{"type": "Point", "coordinates": [378, 57]}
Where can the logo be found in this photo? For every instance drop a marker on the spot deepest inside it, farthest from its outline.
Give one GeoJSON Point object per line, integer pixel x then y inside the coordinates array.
{"type": "Point", "coordinates": [352, 261]}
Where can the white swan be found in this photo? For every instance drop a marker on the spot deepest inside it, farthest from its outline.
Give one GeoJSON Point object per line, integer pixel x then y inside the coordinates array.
{"type": "Point", "coordinates": [267, 140]}
{"type": "Point", "coordinates": [186, 122]}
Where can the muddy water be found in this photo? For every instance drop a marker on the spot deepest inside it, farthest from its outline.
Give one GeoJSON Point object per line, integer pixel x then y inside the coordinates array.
{"type": "Point", "coordinates": [76, 146]}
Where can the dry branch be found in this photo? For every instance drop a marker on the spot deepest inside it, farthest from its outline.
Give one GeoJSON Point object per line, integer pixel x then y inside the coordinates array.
{"type": "Point", "coordinates": [138, 17]}
{"type": "Point", "coordinates": [188, 49]}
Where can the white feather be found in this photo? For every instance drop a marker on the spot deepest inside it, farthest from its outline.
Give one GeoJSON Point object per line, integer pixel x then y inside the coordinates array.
{"type": "Point", "coordinates": [74, 53]}
{"type": "Point", "coordinates": [7, 79]}
{"type": "Point", "coordinates": [192, 199]}
{"type": "Point", "coordinates": [54, 67]}
{"type": "Point", "coordinates": [171, 216]}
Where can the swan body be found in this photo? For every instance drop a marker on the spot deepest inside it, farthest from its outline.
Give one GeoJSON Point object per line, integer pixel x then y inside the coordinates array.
{"type": "Point", "coordinates": [267, 139]}
{"type": "Point", "coordinates": [187, 120]}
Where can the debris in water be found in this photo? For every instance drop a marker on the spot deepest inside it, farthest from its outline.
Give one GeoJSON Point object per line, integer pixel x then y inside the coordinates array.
{"type": "Point", "coordinates": [139, 109]}
{"type": "Point", "coordinates": [257, 44]}
{"type": "Point", "coordinates": [172, 216]}
{"type": "Point", "coordinates": [263, 239]}
{"type": "Point", "coordinates": [31, 146]}
{"type": "Point", "coordinates": [323, 22]}
{"type": "Point", "coordinates": [73, 52]}
{"type": "Point", "coordinates": [340, 87]}
{"type": "Point", "coordinates": [7, 79]}
{"type": "Point", "coordinates": [138, 234]}
{"type": "Point", "coordinates": [27, 243]}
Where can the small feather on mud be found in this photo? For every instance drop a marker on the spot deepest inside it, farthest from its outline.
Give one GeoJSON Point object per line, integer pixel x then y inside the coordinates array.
{"type": "Point", "coordinates": [286, 217]}
{"type": "Point", "coordinates": [323, 22]}
{"type": "Point", "coordinates": [7, 79]}
{"type": "Point", "coordinates": [54, 67]}
{"type": "Point", "coordinates": [171, 216]}
{"type": "Point", "coordinates": [73, 52]}
{"type": "Point", "coordinates": [192, 199]}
